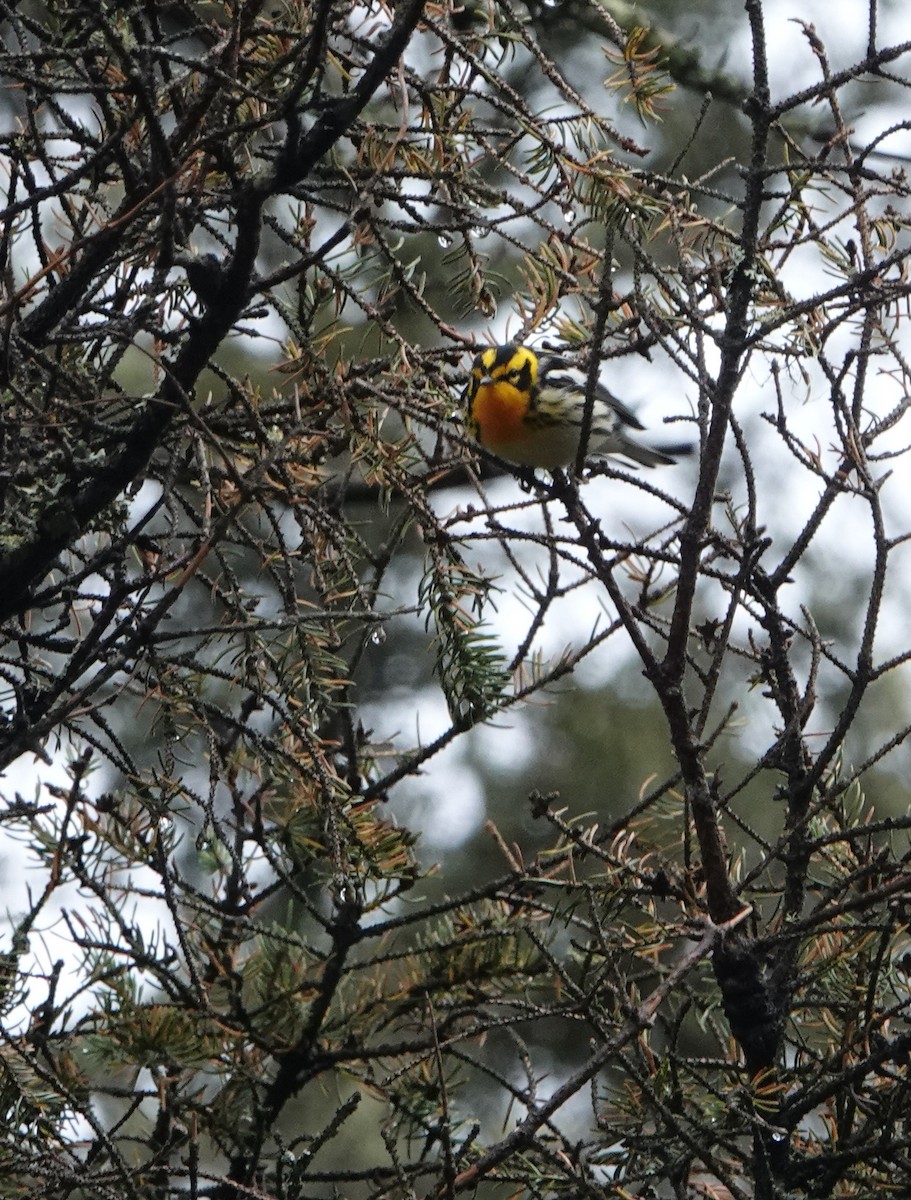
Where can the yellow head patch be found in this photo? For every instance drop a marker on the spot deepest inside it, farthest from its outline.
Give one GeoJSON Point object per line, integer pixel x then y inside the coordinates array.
{"type": "Point", "coordinates": [500, 394]}
{"type": "Point", "coordinates": [511, 364]}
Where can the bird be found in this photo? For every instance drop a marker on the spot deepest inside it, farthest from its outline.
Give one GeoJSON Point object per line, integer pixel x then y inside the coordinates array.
{"type": "Point", "coordinates": [528, 409]}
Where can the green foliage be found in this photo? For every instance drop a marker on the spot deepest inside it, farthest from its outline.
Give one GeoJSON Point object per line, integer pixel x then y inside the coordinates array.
{"type": "Point", "coordinates": [248, 251]}
{"type": "Point", "coordinates": [470, 665]}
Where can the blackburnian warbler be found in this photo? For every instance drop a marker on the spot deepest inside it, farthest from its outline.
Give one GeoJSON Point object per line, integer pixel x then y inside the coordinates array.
{"type": "Point", "coordinates": [529, 410]}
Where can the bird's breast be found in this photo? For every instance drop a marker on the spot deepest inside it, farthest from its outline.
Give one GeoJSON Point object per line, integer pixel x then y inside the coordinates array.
{"type": "Point", "coordinates": [499, 410]}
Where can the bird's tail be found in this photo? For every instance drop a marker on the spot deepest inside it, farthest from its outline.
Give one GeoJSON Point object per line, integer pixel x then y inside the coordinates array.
{"type": "Point", "coordinates": [654, 456]}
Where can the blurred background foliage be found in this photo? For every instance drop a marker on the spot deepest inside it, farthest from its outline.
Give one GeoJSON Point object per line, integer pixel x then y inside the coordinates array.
{"type": "Point", "coordinates": [357, 821]}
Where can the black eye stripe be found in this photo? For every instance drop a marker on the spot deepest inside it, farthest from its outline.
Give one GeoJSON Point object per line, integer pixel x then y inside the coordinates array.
{"type": "Point", "coordinates": [522, 376]}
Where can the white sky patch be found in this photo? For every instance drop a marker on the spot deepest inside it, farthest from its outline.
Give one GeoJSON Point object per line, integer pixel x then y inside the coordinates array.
{"type": "Point", "coordinates": [446, 802]}
{"type": "Point", "coordinates": [447, 806]}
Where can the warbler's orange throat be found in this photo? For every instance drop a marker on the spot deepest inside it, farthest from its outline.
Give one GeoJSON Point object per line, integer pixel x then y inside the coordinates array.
{"type": "Point", "coordinates": [499, 410]}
